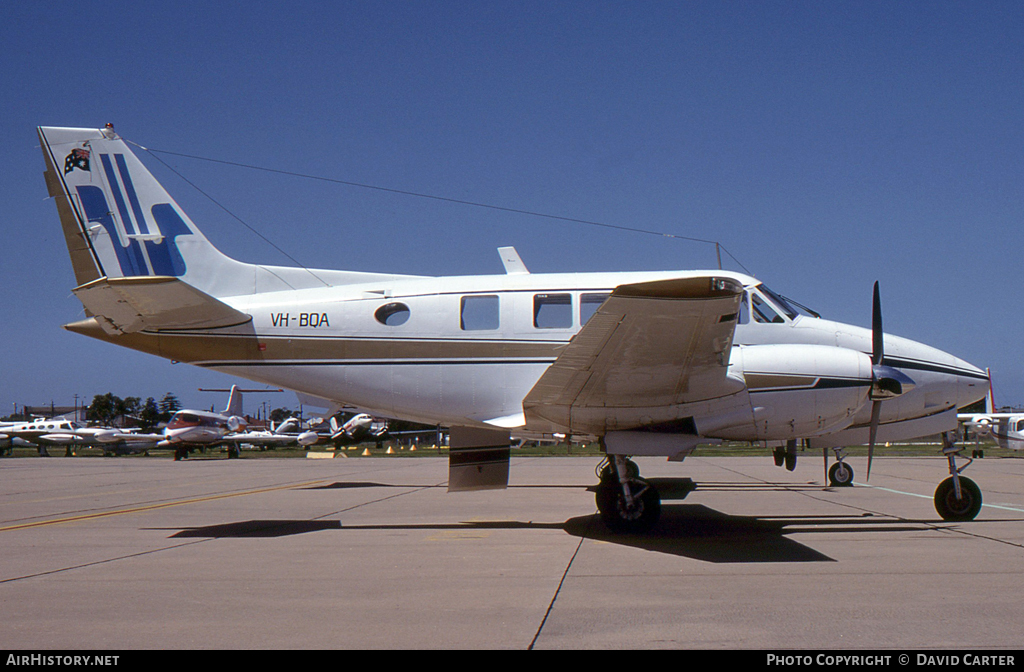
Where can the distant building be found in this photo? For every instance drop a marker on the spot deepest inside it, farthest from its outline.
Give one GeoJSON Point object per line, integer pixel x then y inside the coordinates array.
{"type": "Point", "coordinates": [50, 411]}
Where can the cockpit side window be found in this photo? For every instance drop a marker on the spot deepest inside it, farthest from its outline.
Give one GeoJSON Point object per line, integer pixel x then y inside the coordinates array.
{"type": "Point", "coordinates": [763, 311]}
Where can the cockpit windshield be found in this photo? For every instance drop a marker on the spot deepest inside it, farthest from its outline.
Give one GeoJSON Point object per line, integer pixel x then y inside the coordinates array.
{"type": "Point", "coordinates": [767, 307]}
{"type": "Point", "coordinates": [779, 302]}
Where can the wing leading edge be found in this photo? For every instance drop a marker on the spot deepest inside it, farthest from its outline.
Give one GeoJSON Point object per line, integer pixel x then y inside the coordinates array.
{"type": "Point", "coordinates": [650, 346]}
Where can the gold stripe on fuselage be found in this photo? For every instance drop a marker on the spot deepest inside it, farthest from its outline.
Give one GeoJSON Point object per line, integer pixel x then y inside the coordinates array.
{"type": "Point", "coordinates": [235, 346]}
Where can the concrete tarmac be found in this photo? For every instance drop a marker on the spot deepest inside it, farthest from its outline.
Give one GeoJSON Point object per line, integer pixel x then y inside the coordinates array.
{"type": "Point", "coordinates": [146, 553]}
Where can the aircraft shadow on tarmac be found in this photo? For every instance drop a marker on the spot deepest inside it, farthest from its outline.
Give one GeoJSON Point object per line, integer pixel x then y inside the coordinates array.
{"type": "Point", "coordinates": [355, 485]}
{"type": "Point", "coordinates": [686, 530]}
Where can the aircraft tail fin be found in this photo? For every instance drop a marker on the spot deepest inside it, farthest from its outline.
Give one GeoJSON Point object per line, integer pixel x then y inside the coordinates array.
{"type": "Point", "coordinates": [234, 407]}
{"type": "Point", "coordinates": [120, 222]}
{"type": "Point", "coordinates": [990, 398]}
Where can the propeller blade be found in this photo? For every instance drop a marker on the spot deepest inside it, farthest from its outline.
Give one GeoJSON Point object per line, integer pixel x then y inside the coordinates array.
{"type": "Point", "coordinates": [876, 328]}
{"type": "Point", "coordinates": [876, 412]}
{"type": "Point", "coordinates": [824, 456]}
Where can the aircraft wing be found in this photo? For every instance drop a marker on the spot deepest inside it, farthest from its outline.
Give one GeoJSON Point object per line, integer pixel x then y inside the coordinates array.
{"type": "Point", "coordinates": [127, 305]}
{"type": "Point", "coordinates": [261, 438]}
{"type": "Point", "coordinates": [649, 345]}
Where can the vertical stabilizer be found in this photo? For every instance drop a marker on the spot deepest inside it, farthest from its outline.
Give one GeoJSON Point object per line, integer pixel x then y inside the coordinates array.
{"type": "Point", "coordinates": [119, 222]}
{"type": "Point", "coordinates": [234, 407]}
{"type": "Point", "coordinates": [990, 400]}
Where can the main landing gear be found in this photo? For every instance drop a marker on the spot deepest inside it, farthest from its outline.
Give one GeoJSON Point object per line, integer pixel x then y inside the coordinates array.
{"type": "Point", "coordinates": [957, 498]}
{"type": "Point", "coordinates": [626, 502]}
{"type": "Point", "coordinates": [785, 456]}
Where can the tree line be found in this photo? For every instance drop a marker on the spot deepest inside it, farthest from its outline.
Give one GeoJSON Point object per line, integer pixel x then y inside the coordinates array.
{"type": "Point", "coordinates": [111, 410]}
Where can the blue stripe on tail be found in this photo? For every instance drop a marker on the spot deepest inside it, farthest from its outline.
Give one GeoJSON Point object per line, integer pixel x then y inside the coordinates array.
{"type": "Point", "coordinates": [163, 255]}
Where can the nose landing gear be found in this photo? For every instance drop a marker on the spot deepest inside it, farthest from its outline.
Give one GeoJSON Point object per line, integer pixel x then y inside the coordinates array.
{"type": "Point", "coordinates": [840, 475]}
{"type": "Point", "coordinates": [957, 498]}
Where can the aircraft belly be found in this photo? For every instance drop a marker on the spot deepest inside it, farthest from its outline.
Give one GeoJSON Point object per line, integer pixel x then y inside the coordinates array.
{"type": "Point", "coordinates": [443, 393]}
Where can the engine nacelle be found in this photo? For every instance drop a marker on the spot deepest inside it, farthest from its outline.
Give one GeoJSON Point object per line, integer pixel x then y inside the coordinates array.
{"type": "Point", "coordinates": [308, 438]}
{"type": "Point", "coordinates": [236, 424]}
{"type": "Point", "coordinates": [800, 391]}
{"type": "Point", "coordinates": [107, 436]}
{"type": "Point", "coordinates": [981, 428]}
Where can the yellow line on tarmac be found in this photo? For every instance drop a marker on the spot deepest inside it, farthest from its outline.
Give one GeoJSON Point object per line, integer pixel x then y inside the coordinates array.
{"type": "Point", "coordinates": [151, 507]}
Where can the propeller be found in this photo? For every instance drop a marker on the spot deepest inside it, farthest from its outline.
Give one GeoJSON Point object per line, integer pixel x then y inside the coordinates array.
{"type": "Point", "coordinates": [886, 382]}
{"type": "Point", "coordinates": [877, 352]}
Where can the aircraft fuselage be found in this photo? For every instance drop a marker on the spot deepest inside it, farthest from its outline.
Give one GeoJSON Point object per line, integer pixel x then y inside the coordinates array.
{"type": "Point", "coordinates": [466, 350]}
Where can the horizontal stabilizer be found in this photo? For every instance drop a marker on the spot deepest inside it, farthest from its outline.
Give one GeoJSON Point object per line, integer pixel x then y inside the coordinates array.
{"type": "Point", "coordinates": [128, 305]}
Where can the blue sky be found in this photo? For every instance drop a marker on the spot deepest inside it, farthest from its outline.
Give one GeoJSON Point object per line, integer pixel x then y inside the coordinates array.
{"type": "Point", "coordinates": [825, 145]}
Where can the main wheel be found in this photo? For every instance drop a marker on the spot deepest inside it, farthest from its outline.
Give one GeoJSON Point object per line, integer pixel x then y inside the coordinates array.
{"type": "Point", "coordinates": [953, 509]}
{"type": "Point", "coordinates": [840, 475]}
{"type": "Point", "coordinates": [618, 517]}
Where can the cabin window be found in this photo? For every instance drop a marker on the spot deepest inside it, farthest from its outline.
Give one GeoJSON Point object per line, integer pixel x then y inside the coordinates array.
{"type": "Point", "coordinates": [392, 314]}
{"type": "Point", "coordinates": [552, 311]}
{"type": "Point", "coordinates": [1020, 425]}
{"type": "Point", "coordinates": [589, 303]}
{"type": "Point", "coordinates": [479, 313]}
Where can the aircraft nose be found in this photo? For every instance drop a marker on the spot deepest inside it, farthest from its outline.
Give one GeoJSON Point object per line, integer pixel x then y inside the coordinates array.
{"type": "Point", "coordinates": [972, 383]}
{"type": "Point", "coordinates": [941, 376]}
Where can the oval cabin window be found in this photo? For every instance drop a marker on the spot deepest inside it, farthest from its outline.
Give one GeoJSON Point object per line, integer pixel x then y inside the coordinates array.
{"type": "Point", "coordinates": [392, 314]}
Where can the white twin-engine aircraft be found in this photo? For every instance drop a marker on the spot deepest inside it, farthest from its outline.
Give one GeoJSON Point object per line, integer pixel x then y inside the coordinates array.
{"type": "Point", "coordinates": [1006, 429]}
{"type": "Point", "coordinates": [649, 363]}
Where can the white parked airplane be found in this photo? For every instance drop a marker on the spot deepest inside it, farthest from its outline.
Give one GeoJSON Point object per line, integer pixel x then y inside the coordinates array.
{"type": "Point", "coordinates": [650, 363]}
{"type": "Point", "coordinates": [1006, 429]}
{"type": "Point", "coordinates": [45, 432]}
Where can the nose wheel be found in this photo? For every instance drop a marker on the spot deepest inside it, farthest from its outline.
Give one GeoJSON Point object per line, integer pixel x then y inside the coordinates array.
{"type": "Point", "coordinates": [958, 498]}
{"type": "Point", "coordinates": [840, 475]}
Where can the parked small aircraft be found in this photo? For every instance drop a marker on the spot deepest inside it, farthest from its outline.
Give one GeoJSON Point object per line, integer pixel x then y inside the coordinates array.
{"type": "Point", "coordinates": [1006, 429]}
{"type": "Point", "coordinates": [45, 432]}
{"type": "Point", "coordinates": [649, 363]}
{"type": "Point", "coordinates": [189, 429]}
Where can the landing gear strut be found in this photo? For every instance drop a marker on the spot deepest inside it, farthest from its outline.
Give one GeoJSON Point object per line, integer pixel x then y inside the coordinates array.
{"type": "Point", "coordinates": [626, 502]}
{"type": "Point", "coordinates": [957, 498]}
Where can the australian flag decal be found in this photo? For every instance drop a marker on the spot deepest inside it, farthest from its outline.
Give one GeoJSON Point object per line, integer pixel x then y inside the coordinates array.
{"type": "Point", "coordinates": [78, 158]}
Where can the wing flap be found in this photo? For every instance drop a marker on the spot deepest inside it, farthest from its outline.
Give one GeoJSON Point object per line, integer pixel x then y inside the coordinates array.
{"type": "Point", "coordinates": [128, 305]}
{"type": "Point", "coordinates": [650, 345]}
